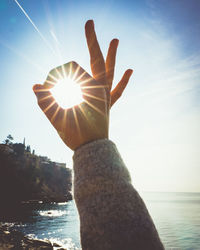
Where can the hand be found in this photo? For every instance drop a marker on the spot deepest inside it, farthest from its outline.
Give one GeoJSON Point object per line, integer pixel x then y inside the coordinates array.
{"type": "Point", "coordinates": [89, 120]}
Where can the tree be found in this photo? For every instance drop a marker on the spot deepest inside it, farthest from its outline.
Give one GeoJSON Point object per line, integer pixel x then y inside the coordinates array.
{"type": "Point", "coordinates": [8, 140]}
{"type": "Point", "coordinates": [28, 149]}
{"type": "Point", "coordinates": [10, 137]}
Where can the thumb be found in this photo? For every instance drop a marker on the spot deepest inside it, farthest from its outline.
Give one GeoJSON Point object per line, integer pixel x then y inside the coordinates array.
{"type": "Point", "coordinates": [46, 101]}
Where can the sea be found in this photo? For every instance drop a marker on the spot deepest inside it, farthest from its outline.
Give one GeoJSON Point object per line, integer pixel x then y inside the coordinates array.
{"type": "Point", "coordinates": [176, 216]}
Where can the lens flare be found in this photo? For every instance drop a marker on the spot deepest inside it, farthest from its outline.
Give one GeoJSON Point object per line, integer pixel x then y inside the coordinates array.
{"type": "Point", "coordinates": [67, 93]}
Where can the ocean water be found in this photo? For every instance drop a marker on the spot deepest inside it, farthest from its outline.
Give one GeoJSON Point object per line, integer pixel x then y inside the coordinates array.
{"type": "Point", "coordinates": [176, 216]}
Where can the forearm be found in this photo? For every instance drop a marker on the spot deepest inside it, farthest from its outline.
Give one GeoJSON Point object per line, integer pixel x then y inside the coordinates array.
{"type": "Point", "coordinates": [112, 214]}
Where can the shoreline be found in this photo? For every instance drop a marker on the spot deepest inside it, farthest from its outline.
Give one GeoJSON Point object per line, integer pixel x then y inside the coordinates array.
{"type": "Point", "coordinates": [11, 238]}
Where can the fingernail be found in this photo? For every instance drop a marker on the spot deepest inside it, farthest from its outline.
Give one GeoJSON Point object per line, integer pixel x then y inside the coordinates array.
{"type": "Point", "coordinates": [116, 41]}
{"type": "Point", "coordinates": [90, 23]}
{"type": "Point", "coordinates": [130, 71]}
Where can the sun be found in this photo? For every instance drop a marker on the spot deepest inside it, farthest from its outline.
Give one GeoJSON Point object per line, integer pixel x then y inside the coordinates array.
{"type": "Point", "coordinates": [67, 93]}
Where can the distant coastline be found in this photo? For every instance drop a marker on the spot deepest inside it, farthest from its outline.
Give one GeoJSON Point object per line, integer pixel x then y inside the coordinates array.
{"type": "Point", "coordinates": [30, 178]}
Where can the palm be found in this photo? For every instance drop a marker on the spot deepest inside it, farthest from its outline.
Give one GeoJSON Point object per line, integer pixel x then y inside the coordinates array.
{"type": "Point", "coordinates": [82, 124]}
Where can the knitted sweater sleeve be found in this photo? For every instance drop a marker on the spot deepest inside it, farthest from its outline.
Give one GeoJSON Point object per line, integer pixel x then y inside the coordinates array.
{"type": "Point", "coordinates": [112, 214]}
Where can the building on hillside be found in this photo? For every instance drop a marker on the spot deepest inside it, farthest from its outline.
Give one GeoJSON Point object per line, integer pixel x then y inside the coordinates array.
{"type": "Point", "coordinates": [62, 165]}
{"type": "Point", "coordinates": [44, 159]}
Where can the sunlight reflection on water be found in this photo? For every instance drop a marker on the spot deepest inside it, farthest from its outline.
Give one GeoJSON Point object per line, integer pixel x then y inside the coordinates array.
{"type": "Point", "coordinates": [52, 213]}
{"type": "Point", "coordinates": [176, 216]}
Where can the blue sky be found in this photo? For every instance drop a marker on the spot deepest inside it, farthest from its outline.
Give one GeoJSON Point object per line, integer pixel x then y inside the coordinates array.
{"type": "Point", "coordinates": [156, 123]}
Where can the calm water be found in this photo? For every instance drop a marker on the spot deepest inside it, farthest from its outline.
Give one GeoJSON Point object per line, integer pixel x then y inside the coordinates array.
{"type": "Point", "coordinates": [176, 215]}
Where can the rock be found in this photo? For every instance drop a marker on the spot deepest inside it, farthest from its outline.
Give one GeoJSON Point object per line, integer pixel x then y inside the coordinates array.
{"type": "Point", "coordinates": [6, 232]}
{"type": "Point", "coordinates": [56, 245]}
{"type": "Point", "coordinates": [37, 243]}
{"type": "Point", "coordinates": [12, 239]}
{"type": "Point", "coordinates": [6, 246]}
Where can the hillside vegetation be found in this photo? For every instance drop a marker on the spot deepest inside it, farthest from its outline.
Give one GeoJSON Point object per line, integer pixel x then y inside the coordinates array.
{"type": "Point", "coordinates": [25, 176]}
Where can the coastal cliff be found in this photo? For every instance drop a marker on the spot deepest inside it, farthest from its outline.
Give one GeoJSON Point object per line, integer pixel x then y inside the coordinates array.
{"type": "Point", "coordinates": [26, 177]}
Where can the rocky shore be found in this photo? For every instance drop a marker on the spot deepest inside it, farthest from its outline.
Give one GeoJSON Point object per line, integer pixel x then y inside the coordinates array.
{"type": "Point", "coordinates": [13, 239]}
{"type": "Point", "coordinates": [27, 181]}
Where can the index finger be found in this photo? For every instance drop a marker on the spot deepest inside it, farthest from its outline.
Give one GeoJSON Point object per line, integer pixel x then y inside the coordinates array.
{"type": "Point", "coordinates": [96, 57]}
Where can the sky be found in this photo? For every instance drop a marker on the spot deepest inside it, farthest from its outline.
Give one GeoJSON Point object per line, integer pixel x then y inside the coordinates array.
{"type": "Point", "coordinates": [156, 122]}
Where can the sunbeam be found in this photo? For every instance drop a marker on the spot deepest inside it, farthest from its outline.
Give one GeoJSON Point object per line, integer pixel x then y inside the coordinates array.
{"type": "Point", "coordinates": [94, 97]}
{"type": "Point", "coordinates": [49, 106]}
{"type": "Point", "coordinates": [55, 114]}
{"type": "Point", "coordinates": [64, 117]}
{"type": "Point", "coordinates": [95, 108]}
{"type": "Point", "coordinates": [45, 97]}
{"type": "Point", "coordinates": [89, 121]}
{"type": "Point", "coordinates": [76, 121]}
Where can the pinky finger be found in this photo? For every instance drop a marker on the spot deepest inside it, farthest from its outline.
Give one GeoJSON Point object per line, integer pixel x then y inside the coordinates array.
{"type": "Point", "coordinates": [118, 90]}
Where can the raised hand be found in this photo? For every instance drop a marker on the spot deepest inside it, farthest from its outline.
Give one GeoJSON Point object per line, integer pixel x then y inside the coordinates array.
{"type": "Point", "coordinates": [89, 120]}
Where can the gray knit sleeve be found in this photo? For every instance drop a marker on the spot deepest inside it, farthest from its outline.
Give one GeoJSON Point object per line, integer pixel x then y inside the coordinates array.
{"type": "Point", "coordinates": [112, 214]}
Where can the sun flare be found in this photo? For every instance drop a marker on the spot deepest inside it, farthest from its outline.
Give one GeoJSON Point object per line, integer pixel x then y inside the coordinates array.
{"type": "Point", "coordinates": [67, 93]}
